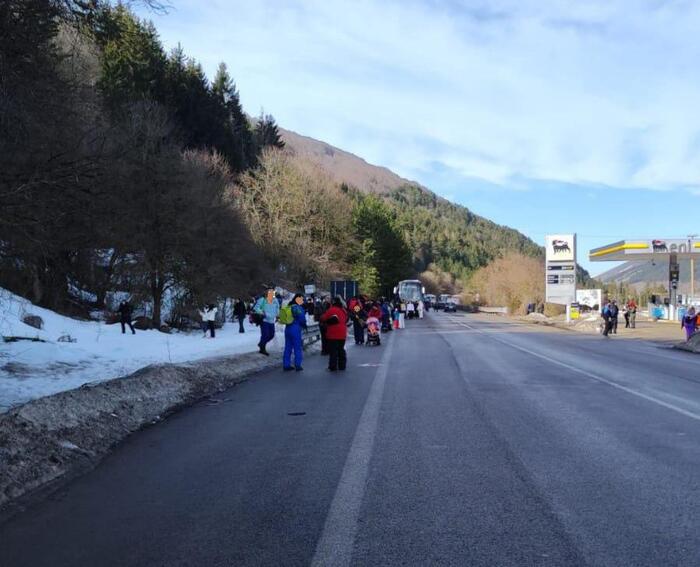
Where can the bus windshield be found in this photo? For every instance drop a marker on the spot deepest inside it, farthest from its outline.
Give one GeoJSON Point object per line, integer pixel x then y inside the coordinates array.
{"type": "Point", "coordinates": [410, 290]}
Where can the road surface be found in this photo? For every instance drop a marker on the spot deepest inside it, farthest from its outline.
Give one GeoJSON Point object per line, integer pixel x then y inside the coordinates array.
{"type": "Point", "coordinates": [462, 440]}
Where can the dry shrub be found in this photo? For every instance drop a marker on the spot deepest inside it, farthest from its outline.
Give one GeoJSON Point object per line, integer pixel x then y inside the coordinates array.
{"type": "Point", "coordinates": [554, 309]}
{"type": "Point", "coordinates": [297, 214]}
{"type": "Point", "coordinates": [512, 281]}
{"type": "Point", "coordinates": [437, 281]}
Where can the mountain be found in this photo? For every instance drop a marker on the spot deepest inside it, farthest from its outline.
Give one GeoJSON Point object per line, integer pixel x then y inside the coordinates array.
{"type": "Point", "coordinates": [439, 232]}
{"type": "Point", "coordinates": [343, 166]}
{"type": "Point", "coordinates": [639, 274]}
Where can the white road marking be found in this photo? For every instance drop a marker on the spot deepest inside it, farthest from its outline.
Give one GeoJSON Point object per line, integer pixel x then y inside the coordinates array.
{"type": "Point", "coordinates": [335, 546]}
{"type": "Point", "coordinates": [591, 375]}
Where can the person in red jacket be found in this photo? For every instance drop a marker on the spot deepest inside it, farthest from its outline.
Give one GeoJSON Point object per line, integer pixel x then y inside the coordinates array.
{"type": "Point", "coordinates": [336, 321]}
{"type": "Point", "coordinates": [375, 311]}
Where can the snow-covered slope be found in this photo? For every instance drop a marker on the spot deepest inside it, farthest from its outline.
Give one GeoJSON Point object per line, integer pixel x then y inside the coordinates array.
{"type": "Point", "coordinates": [33, 369]}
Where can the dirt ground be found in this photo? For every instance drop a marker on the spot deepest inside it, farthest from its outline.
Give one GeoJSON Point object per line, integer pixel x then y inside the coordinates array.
{"type": "Point", "coordinates": [663, 332]}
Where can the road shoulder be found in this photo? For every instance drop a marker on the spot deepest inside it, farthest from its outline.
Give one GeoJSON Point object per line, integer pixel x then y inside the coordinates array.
{"type": "Point", "coordinates": [49, 441]}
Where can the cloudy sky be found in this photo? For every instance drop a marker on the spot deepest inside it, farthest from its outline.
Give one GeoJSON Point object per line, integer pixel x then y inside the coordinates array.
{"type": "Point", "coordinates": [549, 116]}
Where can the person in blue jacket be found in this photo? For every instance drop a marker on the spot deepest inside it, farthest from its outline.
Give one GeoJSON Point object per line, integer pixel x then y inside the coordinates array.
{"type": "Point", "coordinates": [268, 308]}
{"type": "Point", "coordinates": [292, 335]}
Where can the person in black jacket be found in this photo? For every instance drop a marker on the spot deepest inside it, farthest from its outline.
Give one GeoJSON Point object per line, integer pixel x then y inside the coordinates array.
{"type": "Point", "coordinates": [239, 312]}
{"type": "Point", "coordinates": [125, 314]}
{"type": "Point", "coordinates": [321, 308]}
{"type": "Point", "coordinates": [614, 312]}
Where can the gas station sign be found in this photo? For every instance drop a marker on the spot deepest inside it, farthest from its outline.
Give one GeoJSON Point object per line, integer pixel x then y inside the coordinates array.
{"type": "Point", "coordinates": [560, 268]}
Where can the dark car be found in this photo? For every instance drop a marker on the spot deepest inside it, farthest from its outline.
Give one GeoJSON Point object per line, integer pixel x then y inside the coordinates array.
{"type": "Point", "coordinates": [450, 307]}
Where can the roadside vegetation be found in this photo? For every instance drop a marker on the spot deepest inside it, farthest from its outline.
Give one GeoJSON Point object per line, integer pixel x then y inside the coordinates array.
{"type": "Point", "coordinates": [123, 167]}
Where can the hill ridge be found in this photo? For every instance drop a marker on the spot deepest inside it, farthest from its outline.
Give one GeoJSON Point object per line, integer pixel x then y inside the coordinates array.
{"type": "Point", "coordinates": [345, 166]}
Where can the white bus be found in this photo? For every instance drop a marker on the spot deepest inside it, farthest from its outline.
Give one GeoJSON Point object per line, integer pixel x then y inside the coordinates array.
{"type": "Point", "coordinates": [410, 290]}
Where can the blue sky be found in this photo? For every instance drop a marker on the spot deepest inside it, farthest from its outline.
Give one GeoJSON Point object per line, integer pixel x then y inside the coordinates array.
{"type": "Point", "coordinates": [548, 116]}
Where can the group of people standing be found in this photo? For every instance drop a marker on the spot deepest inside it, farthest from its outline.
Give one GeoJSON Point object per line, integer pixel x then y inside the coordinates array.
{"type": "Point", "coordinates": [332, 317]}
{"type": "Point", "coordinates": [611, 312]}
{"type": "Point", "coordinates": [391, 314]}
{"type": "Point", "coordinates": [690, 321]}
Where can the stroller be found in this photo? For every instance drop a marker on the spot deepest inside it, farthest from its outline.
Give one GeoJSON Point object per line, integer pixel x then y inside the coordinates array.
{"type": "Point", "coordinates": [373, 331]}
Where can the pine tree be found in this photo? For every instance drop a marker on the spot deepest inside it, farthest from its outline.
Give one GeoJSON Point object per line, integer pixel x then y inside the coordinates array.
{"type": "Point", "coordinates": [133, 60]}
{"type": "Point", "coordinates": [267, 133]}
{"type": "Point", "coordinates": [383, 246]}
{"type": "Point", "coordinates": [241, 151]}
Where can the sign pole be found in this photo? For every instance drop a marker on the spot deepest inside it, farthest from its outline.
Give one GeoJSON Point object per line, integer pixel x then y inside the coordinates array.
{"type": "Point", "coordinates": [692, 266]}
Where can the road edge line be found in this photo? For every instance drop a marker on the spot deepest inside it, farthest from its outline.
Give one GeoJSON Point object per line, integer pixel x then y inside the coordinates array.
{"type": "Point", "coordinates": [646, 397]}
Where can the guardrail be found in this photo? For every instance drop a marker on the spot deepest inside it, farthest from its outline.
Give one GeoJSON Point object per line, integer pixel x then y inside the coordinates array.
{"type": "Point", "coordinates": [482, 309]}
{"type": "Point", "coordinates": [498, 310]}
{"type": "Point", "coordinates": [311, 335]}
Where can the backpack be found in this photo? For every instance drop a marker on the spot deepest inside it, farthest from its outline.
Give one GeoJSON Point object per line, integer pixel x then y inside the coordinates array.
{"type": "Point", "coordinates": [286, 316]}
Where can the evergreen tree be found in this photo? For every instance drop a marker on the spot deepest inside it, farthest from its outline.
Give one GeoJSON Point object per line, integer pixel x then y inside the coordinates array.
{"type": "Point", "coordinates": [132, 58]}
{"type": "Point", "coordinates": [240, 147]}
{"type": "Point", "coordinates": [383, 246]}
{"type": "Point", "coordinates": [267, 133]}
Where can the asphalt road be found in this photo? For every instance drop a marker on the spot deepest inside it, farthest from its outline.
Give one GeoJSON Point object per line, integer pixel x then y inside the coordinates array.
{"type": "Point", "coordinates": [460, 441]}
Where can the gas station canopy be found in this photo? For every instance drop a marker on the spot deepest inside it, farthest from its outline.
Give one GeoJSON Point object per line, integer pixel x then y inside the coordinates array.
{"type": "Point", "coordinates": [641, 250]}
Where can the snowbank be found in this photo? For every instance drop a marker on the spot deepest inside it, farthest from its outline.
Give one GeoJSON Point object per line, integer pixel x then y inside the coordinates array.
{"type": "Point", "coordinates": [57, 437]}
{"type": "Point", "coordinates": [537, 317]}
{"type": "Point", "coordinates": [29, 370]}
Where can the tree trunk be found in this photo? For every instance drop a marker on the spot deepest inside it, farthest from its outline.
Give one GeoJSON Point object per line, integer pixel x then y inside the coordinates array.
{"type": "Point", "coordinates": [105, 281]}
{"type": "Point", "coordinates": [157, 294]}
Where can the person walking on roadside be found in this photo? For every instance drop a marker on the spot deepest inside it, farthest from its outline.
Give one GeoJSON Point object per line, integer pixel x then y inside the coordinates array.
{"type": "Point", "coordinates": [358, 317]}
{"type": "Point", "coordinates": [125, 316]}
{"type": "Point", "coordinates": [607, 323]}
{"type": "Point", "coordinates": [402, 315]}
{"type": "Point", "coordinates": [239, 312]}
{"type": "Point", "coordinates": [269, 308]}
{"type": "Point", "coordinates": [421, 309]}
{"type": "Point", "coordinates": [208, 315]}
{"type": "Point", "coordinates": [410, 310]}
{"type": "Point", "coordinates": [626, 315]}
{"type": "Point", "coordinates": [386, 316]}
{"type": "Point", "coordinates": [632, 310]}
{"type": "Point", "coordinates": [293, 333]}
{"type": "Point", "coordinates": [689, 323]}
{"type": "Point", "coordinates": [336, 319]}
{"type": "Point", "coordinates": [614, 312]}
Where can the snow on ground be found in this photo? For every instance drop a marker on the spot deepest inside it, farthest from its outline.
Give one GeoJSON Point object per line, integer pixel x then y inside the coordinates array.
{"type": "Point", "coordinates": [30, 370]}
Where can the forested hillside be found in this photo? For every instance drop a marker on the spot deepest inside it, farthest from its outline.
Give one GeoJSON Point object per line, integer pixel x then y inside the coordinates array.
{"type": "Point", "coordinates": [444, 237]}
{"type": "Point", "coordinates": [124, 168]}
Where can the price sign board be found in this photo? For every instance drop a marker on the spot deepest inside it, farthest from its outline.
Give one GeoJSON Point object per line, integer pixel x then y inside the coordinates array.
{"type": "Point", "coordinates": [560, 269]}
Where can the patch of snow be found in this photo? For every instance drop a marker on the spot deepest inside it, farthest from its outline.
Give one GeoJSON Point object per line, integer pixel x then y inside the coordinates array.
{"type": "Point", "coordinates": [31, 369]}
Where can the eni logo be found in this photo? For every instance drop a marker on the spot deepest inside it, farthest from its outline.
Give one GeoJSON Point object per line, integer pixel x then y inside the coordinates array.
{"type": "Point", "coordinates": [560, 246]}
{"type": "Point", "coordinates": [658, 246]}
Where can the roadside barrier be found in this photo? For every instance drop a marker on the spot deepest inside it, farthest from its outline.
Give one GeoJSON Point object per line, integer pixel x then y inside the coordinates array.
{"type": "Point", "coordinates": [311, 335]}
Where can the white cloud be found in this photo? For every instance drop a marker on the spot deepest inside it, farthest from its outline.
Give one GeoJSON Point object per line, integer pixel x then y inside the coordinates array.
{"type": "Point", "coordinates": [589, 92]}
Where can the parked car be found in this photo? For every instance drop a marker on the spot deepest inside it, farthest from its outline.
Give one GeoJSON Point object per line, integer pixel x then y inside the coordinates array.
{"type": "Point", "coordinates": [450, 307]}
